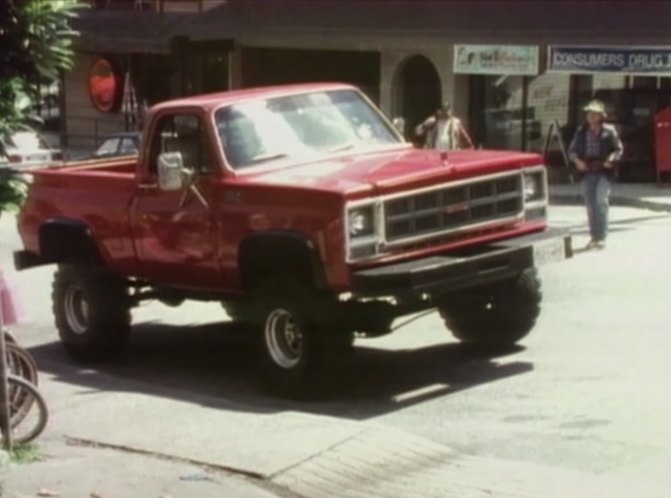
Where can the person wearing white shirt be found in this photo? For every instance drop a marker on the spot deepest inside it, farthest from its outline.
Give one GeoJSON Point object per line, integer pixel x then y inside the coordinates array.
{"type": "Point", "coordinates": [444, 131]}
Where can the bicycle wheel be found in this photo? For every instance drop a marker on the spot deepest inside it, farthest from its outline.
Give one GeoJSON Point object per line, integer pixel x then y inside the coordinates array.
{"type": "Point", "coordinates": [28, 410]}
{"type": "Point", "coordinates": [21, 363]}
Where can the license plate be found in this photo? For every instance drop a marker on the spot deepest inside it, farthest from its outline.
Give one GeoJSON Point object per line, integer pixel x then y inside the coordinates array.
{"type": "Point", "coordinates": [549, 251]}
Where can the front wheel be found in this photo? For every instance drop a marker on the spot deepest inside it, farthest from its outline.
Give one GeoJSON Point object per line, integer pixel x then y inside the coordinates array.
{"type": "Point", "coordinates": [497, 315]}
{"type": "Point", "coordinates": [92, 312]}
{"type": "Point", "coordinates": [296, 342]}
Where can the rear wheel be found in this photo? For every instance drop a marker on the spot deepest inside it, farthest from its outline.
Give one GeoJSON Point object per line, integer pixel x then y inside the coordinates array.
{"type": "Point", "coordinates": [92, 312]}
{"type": "Point", "coordinates": [496, 315]}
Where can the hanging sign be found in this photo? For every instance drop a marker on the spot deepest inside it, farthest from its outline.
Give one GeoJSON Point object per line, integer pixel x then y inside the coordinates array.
{"type": "Point", "coordinates": [104, 86]}
{"type": "Point", "coordinates": [496, 59]}
{"type": "Point", "coordinates": [637, 61]}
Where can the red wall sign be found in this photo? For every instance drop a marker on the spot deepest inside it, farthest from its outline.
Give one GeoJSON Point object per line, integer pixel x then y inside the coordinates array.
{"type": "Point", "coordinates": [104, 86]}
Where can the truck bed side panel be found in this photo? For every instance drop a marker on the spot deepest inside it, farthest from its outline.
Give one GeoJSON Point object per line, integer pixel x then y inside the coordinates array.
{"type": "Point", "coordinates": [100, 198]}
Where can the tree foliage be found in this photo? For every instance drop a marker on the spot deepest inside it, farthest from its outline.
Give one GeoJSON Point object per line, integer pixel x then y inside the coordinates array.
{"type": "Point", "coordinates": [35, 41]}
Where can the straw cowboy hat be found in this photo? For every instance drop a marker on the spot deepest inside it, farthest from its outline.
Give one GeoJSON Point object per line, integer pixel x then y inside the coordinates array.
{"type": "Point", "coordinates": [596, 106]}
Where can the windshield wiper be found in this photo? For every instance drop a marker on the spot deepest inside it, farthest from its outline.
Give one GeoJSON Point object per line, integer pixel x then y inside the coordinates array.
{"type": "Point", "coordinates": [343, 147]}
{"type": "Point", "coordinates": [262, 158]}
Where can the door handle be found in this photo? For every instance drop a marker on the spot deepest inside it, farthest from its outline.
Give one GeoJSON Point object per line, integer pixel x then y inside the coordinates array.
{"type": "Point", "coordinates": [146, 187]}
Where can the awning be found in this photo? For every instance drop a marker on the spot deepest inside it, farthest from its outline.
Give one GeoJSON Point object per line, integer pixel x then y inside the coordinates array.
{"type": "Point", "coordinates": [465, 21]}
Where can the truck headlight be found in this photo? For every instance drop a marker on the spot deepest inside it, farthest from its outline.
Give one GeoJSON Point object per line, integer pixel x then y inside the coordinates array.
{"type": "Point", "coordinates": [531, 187]}
{"type": "Point", "coordinates": [361, 221]}
{"type": "Point", "coordinates": [534, 186]}
{"type": "Point", "coordinates": [363, 238]}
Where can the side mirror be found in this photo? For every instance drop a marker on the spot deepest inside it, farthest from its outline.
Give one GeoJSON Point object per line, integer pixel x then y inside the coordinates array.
{"type": "Point", "coordinates": [399, 124]}
{"type": "Point", "coordinates": [171, 171]}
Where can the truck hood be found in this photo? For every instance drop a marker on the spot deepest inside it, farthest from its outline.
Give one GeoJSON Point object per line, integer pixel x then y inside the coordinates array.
{"type": "Point", "coordinates": [393, 170]}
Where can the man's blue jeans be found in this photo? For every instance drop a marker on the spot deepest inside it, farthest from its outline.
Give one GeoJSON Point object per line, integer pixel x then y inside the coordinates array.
{"type": "Point", "coordinates": [595, 191]}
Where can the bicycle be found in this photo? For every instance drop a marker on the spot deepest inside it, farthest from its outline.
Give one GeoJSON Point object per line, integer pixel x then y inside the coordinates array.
{"type": "Point", "coordinates": [26, 424]}
{"type": "Point", "coordinates": [21, 363]}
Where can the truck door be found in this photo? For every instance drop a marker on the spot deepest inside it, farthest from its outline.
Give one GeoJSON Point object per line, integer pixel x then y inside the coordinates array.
{"type": "Point", "coordinates": [174, 231]}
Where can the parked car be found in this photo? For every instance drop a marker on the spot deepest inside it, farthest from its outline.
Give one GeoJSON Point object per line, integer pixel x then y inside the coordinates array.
{"type": "Point", "coordinates": [120, 144]}
{"type": "Point", "coordinates": [26, 149]}
{"type": "Point", "coordinates": [304, 212]}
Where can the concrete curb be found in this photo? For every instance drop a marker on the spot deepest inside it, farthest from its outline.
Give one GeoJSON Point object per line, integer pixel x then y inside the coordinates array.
{"type": "Point", "coordinates": [615, 200]}
{"type": "Point", "coordinates": [387, 463]}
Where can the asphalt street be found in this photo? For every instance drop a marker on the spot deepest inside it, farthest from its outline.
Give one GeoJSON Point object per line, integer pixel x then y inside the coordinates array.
{"type": "Point", "coordinates": [587, 390]}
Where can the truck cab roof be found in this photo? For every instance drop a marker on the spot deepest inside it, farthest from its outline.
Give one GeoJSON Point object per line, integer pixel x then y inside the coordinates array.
{"type": "Point", "coordinates": [212, 101]}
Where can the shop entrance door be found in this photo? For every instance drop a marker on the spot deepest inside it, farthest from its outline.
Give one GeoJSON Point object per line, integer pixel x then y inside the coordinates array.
{"type": "Point", "coordinates": [418, 86]}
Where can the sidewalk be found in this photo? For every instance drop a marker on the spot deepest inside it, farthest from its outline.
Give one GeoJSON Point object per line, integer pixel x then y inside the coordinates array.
{"type": "Point", "coordinates": [131, 444]}
{"type": "Point", "coordinates": [70, 470]}
{"type": "Point", "coordinates": [639, 195]}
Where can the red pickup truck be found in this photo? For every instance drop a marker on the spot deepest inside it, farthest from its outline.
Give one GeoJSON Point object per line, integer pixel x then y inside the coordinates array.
{"type": "Point", "coordinates": [305, 213]}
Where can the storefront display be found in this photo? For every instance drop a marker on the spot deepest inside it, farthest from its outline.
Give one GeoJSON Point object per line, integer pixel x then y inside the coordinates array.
{"type": "Point", "coordinates": [498, 112]}
{"type": "Point", "coordinates": [521, 111]}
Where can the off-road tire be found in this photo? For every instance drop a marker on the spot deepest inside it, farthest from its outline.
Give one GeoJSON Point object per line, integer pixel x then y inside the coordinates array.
{"type": "Point", "coordinates": [100, 332]}
{"type": "Point", "coordinates": [497, 315]}
{"type": "Point", "coordinates": [283, 300]}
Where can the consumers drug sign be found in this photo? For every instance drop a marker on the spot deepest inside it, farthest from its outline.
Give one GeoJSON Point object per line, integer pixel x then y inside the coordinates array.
{"type": "Point", "coordinates": [651, 61]}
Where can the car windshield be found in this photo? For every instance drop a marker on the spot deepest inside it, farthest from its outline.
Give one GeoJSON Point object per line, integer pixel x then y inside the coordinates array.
{"type": "Point", "coordinates": [299, 127]}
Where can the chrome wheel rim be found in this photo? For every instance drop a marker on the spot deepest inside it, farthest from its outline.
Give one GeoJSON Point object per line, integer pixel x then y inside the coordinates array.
{"type": "Point", "coordinates": [284, 339]}
{"type": "Point", "coordinates": [76, 310]}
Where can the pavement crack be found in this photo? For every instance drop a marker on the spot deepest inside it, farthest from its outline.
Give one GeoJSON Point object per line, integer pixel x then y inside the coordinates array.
{"type": "Point", "coordinates": [204, 465]}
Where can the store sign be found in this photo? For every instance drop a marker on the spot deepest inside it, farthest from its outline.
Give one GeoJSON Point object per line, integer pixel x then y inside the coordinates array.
{"type": "Point", "coordinates": [496, 59]}
{"type": "Point", "coordinates": [637, 61]}
{"type": "Point", "coordinates": [104, 86]}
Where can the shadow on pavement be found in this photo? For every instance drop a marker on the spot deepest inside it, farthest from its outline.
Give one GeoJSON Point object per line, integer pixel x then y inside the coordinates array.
{"type": "Point", "coordinates": [214, 364]}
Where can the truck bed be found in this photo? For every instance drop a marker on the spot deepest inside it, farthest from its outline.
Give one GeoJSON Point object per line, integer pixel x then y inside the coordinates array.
{"type": "Point", "coordinates": [96, 193]}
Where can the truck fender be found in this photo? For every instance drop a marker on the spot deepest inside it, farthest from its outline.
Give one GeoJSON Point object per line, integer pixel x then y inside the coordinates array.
{"type": "Point", "coordinates": [65, 240]}
{"type": "Point", "coordinates": [285, 253]}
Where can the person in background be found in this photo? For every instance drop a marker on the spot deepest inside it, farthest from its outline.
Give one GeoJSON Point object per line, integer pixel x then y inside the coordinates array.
{"type": "Point", "coordinates": [444, 131]}
{"type": "Point", "coordinates": [595, 150]}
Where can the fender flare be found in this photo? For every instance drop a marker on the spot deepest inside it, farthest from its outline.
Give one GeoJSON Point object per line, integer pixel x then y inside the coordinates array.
{"type": "Point", "coordinates": [280, 252]}
{"type": "Point", "coordinates": [67, 240]}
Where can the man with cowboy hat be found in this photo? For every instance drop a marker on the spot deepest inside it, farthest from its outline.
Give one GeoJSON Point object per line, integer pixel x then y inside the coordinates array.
{"type": "Point", "coordinates": [444, 131]}
{"type": "Point", "coordinates": [595, 150]}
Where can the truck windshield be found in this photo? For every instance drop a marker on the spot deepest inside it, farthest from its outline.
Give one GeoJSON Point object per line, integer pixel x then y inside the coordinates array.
{"type": "Point", "coordinates": [299, 127]}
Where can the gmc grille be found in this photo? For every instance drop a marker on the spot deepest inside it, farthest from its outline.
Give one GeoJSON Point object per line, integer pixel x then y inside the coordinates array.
{"type": "Point", "coordinates": [445, 209]}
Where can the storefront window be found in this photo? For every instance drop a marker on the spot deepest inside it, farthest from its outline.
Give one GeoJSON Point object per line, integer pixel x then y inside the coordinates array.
{"type": "Point", "coordinates": [206, 72]}
{"type": "Point", "coordinates": [497, 112]}
{"type": "Point", "coordinates": [645, 82]}
{"type": "Point", "coordinates": [555, 103]}
{"type": "Point", "coordinates": [549, 114]}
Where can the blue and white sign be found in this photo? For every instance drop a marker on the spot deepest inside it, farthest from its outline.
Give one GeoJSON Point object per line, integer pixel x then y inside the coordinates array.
{"type": "Point", "coordinates": [652, 61]}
